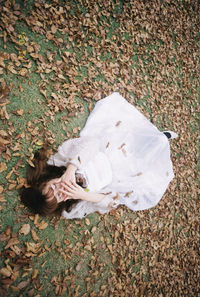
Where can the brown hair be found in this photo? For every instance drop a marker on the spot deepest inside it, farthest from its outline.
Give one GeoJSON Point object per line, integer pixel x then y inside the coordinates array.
{"type": "Point", "coordinates": [37, 177]}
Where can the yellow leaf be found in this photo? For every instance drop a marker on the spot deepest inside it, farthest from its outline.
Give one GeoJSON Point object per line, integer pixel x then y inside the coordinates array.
{"type": "Point", "coordinates": [31, 163]}
{"type": "Point", "coordinates": [34, 235]}
{"type": "Point", "coordinates": [39, 142]}
{"type": "Point", "coordinates": [9, 174]}
{"type": "Point", "coordinates": [35, 273]}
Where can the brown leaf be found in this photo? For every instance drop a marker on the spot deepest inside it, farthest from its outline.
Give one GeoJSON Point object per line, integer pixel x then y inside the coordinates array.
{"type": "Point", "coordinates": [116, 197]}
{"type": "Point", "coordinates": [34, 235]}
{"type": "Point", "coordinates": [118, 123]}
{"type": "Point", "coordinates": [128, 194]}
{"type": "Point", "coordinates": [11, 242]}
{"type": "Point", "coordinates": [4, 142]}
{"type": "Point", "coordinates": [35, 273]}
{"type": "Point", "coordinates": [25, 229]}
{"type": "Point", "coordinates": [88, 247]}
{"type": "Point", "coordinates": [124, 152]}
{"type": "Point", "coordinates": [20, 112]}
{"type": "Point", "coordinates": [42, 225]}
{"type": "Point", "coordinates": [22, 285]}
{"type": "Point", "coordinates": [5, 272]}
{"type": "Point", "coordinates": [33, 247]}
{"type": "Point", "coordinates": [3, 133]}
{"type": "Point", "coordinates": [94, 229]}
{"type": "Point", "coordinates": [139, 173]}
{"type": "Point", "coordinates": [87, 221]}
{"type": "Point", "coordinates": [53, 29]}
{"type": "Point", "coordinates": [135, 202]}
{"type": "Point", "coordinates": [78, 267]}
{"type": "Point", "coordinates": [121, 146]}
{"type": "Point", "coordinates": [4, 94]}
{"type": "Point", "coordinates": [2, 198]}
{"type": "Point", "coordinates": [3, 167]}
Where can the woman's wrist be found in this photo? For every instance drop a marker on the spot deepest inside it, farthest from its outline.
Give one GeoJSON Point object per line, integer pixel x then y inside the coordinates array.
{"type": "Point", "coordinates": [71, 167]}
{"type": "Point", "coordinates": [70, 170]}
{"type": "Point", "coordinates": [92, 197]}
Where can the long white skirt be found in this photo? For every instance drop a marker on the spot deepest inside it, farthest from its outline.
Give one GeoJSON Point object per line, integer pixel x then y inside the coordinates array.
{"type": "Point", "coordinates": [138, 152]}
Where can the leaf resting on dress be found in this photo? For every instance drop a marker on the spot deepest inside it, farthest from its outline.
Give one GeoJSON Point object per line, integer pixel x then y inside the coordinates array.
{"type": "Point", "coordinates": [117, 196]}
{"type": "Point", "coordinates": [139, 173]}
{"type": "Point", "coordinates": [135, 202]}
{"type": "Point", "coordinates": [128, 194]}
{"type": "Point", "coordinates": [118, 123]}
{"type": "Point", "coordinates": [121, 146]}
{"type": "Point", "coordinates": [124, 152]}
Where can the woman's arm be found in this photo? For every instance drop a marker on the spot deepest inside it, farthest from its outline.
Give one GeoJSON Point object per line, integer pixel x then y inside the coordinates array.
{"type": "Point", "coordinates": [69, 175]}
{"type": "Point", "coordinates": [74, 191]}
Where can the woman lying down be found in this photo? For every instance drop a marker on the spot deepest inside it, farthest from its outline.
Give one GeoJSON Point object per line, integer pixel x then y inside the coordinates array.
{"type": "Point", "coordinates": [119, 158]}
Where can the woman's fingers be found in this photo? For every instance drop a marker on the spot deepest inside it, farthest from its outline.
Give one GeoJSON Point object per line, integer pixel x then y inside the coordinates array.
{"type": "Point", "coordinates": [72, 186]}
{"type": "Point", "coordinates": [66, 188]}
{"type": "Point", "coordinates": [64, 192]}
{"type": "Point", "coordinates": [70, 193]}
{"type": "Point", "coordinates": [69, 190]}
{"type": "Point", "coordinates": [58, 181]}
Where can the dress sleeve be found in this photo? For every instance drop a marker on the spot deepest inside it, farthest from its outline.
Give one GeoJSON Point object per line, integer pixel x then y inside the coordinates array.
{"type": "Point", "coordinates": [77, 151]}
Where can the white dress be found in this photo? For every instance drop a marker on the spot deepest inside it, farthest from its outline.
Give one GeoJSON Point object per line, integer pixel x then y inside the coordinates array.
{"type": "Point", "coordinates": [121, 154]}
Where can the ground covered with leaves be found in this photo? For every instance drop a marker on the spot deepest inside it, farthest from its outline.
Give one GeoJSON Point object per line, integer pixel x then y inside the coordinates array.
{"type": "Point", "coordinates": [57, 58]}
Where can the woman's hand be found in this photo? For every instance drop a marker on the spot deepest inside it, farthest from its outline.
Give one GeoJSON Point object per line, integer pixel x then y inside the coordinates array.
{"type": "Point", "coordinates": [72, 190]}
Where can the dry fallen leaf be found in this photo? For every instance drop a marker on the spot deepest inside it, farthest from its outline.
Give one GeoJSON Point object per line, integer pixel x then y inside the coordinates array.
{"type": "Point", "coordinates": [22, 285]}
{"type": "Point", "coordinates": [139, 173]}
{"type": "Point", "coordinates": [1, 189]}
{"type": "Point", "coordinates": [11, 242]}
{"type": "Point", "coordinates": [4, 94]}
{"type": "Point", "coordinates": [20, 112]}
{"type": "Point", "coordinates": [87, 221]}
{"type": "Point", "coordinates": [3, 167]}
{"type": "Point", "coordinates": [25, 229]}
{"type": "Point", "coordinates": [42, 225]}
{"type": "Point", "coordinates": [35, 273]}
{"type": "Point", "coordinates": [5, 272]}
{"type": "Point", "coordinates": [118, 123]}
{"type": "Point", "coordinates": [4, 142]}
{"type": "Point", "coordinates": [34, 235]}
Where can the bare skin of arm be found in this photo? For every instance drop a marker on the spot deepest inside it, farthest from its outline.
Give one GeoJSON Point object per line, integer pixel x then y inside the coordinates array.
{"type": "Point", "coordinates": [74, 191]}
{"type": "Point", "coordinates": [69, 175]}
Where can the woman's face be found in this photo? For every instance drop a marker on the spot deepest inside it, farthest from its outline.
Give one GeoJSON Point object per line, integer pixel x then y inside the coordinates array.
{"type": "Point", "coordinates": [51, 190]}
